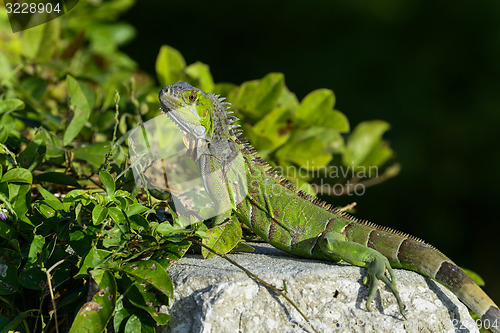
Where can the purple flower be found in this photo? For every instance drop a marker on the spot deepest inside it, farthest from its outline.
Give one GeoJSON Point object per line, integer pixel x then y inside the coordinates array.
{"type": "Point", "coordinates": [3, 215]}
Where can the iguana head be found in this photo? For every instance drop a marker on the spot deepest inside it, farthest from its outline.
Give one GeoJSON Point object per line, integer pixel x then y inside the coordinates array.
{"type": "Point", "coordinates": [190, 108]}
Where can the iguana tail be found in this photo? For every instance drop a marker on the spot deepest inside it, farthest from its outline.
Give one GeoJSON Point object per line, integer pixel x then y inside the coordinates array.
{"type": "Point", "coordinates": [404, 251]}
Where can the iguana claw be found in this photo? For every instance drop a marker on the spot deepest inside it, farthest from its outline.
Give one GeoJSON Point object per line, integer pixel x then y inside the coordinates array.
{"type": "Point", "coordinates": [332, 244]}
{"type": "Point", "coordinates": [376, 271]}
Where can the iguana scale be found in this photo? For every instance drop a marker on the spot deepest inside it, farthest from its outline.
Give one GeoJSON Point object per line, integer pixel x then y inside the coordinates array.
{"type": "Point", "coordinates": [296, 222]}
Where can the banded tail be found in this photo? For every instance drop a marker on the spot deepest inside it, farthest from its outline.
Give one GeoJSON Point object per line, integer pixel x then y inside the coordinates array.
{"type": "Point", "coordinates": [405, 251]}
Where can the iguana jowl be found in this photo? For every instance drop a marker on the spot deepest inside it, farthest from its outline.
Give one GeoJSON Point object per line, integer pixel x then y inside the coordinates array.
{"type": "Point", "coordinates": [297, 223]}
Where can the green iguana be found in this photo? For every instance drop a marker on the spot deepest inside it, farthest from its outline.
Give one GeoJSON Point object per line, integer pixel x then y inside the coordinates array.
{"type": "Point", "coordinates": [296, 222]}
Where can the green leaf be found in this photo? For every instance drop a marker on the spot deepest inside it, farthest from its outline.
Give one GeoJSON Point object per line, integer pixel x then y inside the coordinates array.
{"type": "Point", "coordinates": [123, 202]}
{"type": "Point", "coordinates": [120, 318]}
{"type": "Point", "coordinates": [32, 277]}
{"type": "Point", "coordinates": [99, 213]}
{"type": "Point", "coordinates": [288, 99]}
{"type": "Point", "coordinates": [52, 141]}
{"type": "Point", "coordinates": [41, 42]}
{"type": "Point", "coordinates": [16, 322]}
{"type": "Point", "coordinates": [8, 105]}
{"type": "Point", "coordinates": [127, 196]}
{"type": "Point", "coordinates": [50, 198]}
{"type": "Point", "coordinates": [309, 153]}
{"type": "Point", "coordinates": [108, 182]}
{"type": "Point", "coordinates": [316, 109]}
{"type": "Point", "coordinates": [117, 215]}
{"type": "Point", "coordinates": [6, 231]}
{"type": "Point", "coordinates": [80, 241]}
{"type": "Point", "coordinates": [21, 196]}
{"type": "Point", "coordinates": [45, 209]}
{"type": "Point", "coordinates": [9, 282]}
{"type": "Point", "coordinates": [269, 91]}
{"type": "Point", "coordinates": [152, 273]}
{"type": "Point", "coordinates": [57, 178]}
{"type": "Point", "coordinates": [271, 131]}
{"type": "Point", "coordinates": [136, 208]}
{"type": "Point", "coordinates": [143, 298]}
{"type": "Point", "coordinates": [243, 247]}
{"type": "Point", "coordinates": [172, 252]}
{"type": "Point", "coordinates": [137, 222]}
{"type": "Point", "coordinates": [36, 248]}
{"type": "Point", "coordinates": [201, 77]}
{"type": "Point", "coordinates": [4, 134]}
{"type": "Point", "coordinates": [364, 145]}
{"type": "Point", "coordinates": [18, 175]}
{"type": "Point", "coordinates": [222, 238]}
{"type": "Point", "coordinates": [76, 196]}
{"type": "Point", "coordinates": [93, 153]}
{"type": "Point", "coordinates": [166, 229]}
{"type": "Point", "coordinates": [19, 186]}
{"type": "Point", "coordinates": [50, 40]}
{"type": "Point", "coordinates": [378, 156]}
{"type": "Point", "coordinates": [257, 98]}
{"type": "Point", "coordinates": [169, 65]}
{"type": "Point", "coordinates": [137, 324]}
{"type": "Point", "coordinates": [318, 101]}
{"type": "Point", "coordinates": [94, 315]}
{"type": "Point", "coordinates": [81, 107]}
{"type": "Point", "coordinates": [112, 237]}
{"type": "Point", "coordinates": [332, 140]}
{"type": "Point", "coordinates": [94, 257]}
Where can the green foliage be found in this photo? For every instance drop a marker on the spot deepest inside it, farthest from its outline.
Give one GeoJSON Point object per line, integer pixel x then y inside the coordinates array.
{"type": "Point", "coordinates": [222, 238]}
{"type": "Point", "coordinates": [94, 315]}
{"type": "Point", "coordinates": [75, 231]}
{"type": "Point", "coordinates": [80, 105]}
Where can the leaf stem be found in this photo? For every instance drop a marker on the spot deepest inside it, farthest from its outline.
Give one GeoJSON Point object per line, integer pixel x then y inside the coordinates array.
{"type": "Point", "coordinates": [52, 292]}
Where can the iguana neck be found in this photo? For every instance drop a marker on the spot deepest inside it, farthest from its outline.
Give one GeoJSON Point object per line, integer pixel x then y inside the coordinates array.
{"type": "Point", "coordinates": [223, 128]}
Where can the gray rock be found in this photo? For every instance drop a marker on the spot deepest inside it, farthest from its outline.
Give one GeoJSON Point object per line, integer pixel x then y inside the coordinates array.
{"type": "Point", "coordinates": [214, 296]}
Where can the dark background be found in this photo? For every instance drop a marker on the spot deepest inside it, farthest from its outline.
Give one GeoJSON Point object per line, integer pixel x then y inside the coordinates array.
{"type": "Point", "coordinates": [430, 68]}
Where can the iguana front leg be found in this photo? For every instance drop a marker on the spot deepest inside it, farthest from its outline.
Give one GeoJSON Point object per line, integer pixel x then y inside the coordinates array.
{"type": "Point", "coordinates": [336, 247]}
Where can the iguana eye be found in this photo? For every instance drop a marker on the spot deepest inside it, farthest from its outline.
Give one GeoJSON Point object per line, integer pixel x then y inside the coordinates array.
{"type": "Point", "coordinates": [192, 97]}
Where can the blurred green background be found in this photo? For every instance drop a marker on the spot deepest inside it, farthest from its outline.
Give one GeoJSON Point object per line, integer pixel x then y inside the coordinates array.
{"type": "Point", "coordinates": [430, 68]}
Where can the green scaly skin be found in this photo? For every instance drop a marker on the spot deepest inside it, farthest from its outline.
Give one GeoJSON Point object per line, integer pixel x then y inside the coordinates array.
{"type": "Point", "coordinates": [295, 222]}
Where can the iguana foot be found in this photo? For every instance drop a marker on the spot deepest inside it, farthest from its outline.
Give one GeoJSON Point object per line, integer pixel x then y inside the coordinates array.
{"type": "Point", "coordinates": [375, 272]}
{"type": "Point", "coordinates": [336, 247]}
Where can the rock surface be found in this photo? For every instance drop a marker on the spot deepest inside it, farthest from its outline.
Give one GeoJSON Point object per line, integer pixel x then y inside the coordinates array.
{"type": "Point", "coordinates": [214, 296]}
